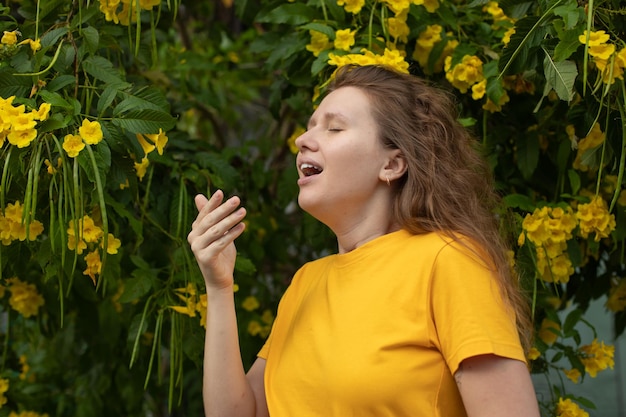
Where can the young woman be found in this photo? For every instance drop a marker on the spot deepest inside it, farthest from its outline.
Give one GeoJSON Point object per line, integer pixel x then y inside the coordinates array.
{"type": "Point", "coordinates": [418, 314]}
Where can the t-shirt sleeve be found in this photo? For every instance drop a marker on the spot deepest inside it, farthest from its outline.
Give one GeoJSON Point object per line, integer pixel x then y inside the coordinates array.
{"type": "Point", "coordinates": [469, 315]}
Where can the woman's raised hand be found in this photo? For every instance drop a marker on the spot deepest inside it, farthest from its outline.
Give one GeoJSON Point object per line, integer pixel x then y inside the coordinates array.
{"type": "Point", "coordinates": [212, 238]}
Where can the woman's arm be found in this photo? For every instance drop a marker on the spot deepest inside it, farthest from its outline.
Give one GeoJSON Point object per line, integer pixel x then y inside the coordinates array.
{"type": "Point", "coordinates": [493, 386]}
{"type": "Point", "coordinates": [227, 391]}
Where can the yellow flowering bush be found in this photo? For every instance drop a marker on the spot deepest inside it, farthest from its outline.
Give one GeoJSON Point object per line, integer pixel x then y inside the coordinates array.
{"type": "Point", "coordinates": [567, 408]}
{"type": "Point", "coordinates": [25, 299]}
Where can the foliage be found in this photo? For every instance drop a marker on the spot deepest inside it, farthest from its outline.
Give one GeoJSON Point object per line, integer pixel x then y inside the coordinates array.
{"type": "Point", "coordinates": [115, 114]}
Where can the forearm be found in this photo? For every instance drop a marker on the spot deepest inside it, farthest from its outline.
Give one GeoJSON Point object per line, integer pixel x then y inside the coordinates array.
{"type": "Point", "coordinates": [226, 391]}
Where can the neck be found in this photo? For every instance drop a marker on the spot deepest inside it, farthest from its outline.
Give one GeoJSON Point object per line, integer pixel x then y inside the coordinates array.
{"type": "Point", "coordinates": [351, 237]}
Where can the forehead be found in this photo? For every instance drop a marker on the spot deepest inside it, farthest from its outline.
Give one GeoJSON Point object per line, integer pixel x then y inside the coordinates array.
{"type": "Point", "coordinates": [347, 103]}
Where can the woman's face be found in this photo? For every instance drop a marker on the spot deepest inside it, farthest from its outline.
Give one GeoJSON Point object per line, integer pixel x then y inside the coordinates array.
{"type": "Point", "coordinates": [341, 158]}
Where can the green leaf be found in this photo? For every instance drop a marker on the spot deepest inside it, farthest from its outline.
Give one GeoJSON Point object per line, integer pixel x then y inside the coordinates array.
{"type": "Point", "coordinates": [61, 81]}
{"type": "Point", "coordinates": [102, 69]}
{"type": "Point", "coordinates": [292, 14]}
{"type": "Point", "coordinates": [52, 37]}
{"type": "Point", "coordinates": [55, 99]}
{"type": "Point", "coordinates": [244, 265]}
{"type": "Point", "coordinates": [571, 320]}
{"type": "Point", "coordinates": [574, 181]}
{"type": "Point", "coordinates": [320, 27]}
{"type": "Point", "coordinates": [136, 287]}
{"type": "Point", "coordinates": [568, 44]}
{"type": "Point", "coordinates": [517, 56]}
{"type": "Point", "coordinates": [560, 76]}
{"type": "Point", "coordinates": [520, 201]}
{"type": "Point", "coordinates": [109, 93]}
{"type": "Point", "coordinates": [102, 154]}
{"type": "Point", "coordinates": [145, 121]}
{"type": "Point", "coordinates": [570, 12]}
{"type": "Point", "coordinates": [91, 38]}
{"type": "Point", "coordinates": [147, 99]}
{"type": "Point", "coordinates": [527, 155]}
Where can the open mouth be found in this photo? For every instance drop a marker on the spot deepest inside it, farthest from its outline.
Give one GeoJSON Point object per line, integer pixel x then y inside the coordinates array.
{"type": "Point", "coordinates": [308, 169]}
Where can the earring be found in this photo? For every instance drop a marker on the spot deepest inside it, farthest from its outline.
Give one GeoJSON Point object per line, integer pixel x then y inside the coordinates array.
{"type": "Point", "coordinates": [388, 182]}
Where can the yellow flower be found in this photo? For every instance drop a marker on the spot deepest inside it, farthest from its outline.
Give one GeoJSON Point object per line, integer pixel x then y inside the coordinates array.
{"type": "Point", "coordinates": [393, 59]}
{"type": "Point", "coordinates": [9, 38]}
{"type": "Point", "coordinates": [568, 408]}
{"type": "Point", "coordinates": [352, 6]}
{"type": "Point", "coordinates": [12, 227]}
{"type": "Point", "coordinates": [425, 43]}
{"type": "Point", "coordinates": [23, 121]}
{"type": "Point", "coordinates": [159, 140]}
{"type": "Point", "coordinates": [319, 43]}
{"type": "Point", "coordinates": [21, 138]}
{"type": "Point", "coordinates": [549, 331]}
{"type": "Point", "coordinates": [398, 28]}
{"type": "Point", "coordinates": [506, 38]}
{"type": "Point", "coordinates": [35, 45]}
{"type": "Point", "coordinates": [250, 303]}
{"type": "Point", "coordinates": [430, 5]}
{"type": "Point", "coordinates": [141, 168]}
{"type": "Point", "coordinates": [94, 265]}
{"type": "Point", "coordinates": [603, 51]}
{"type": "Point", "coordinates": [595, 38]}
{"type": "Point", "coordinates": [464, 74]}
{"type": "Point", "coordinates": [533, 353]}
{"type": "Point", "coordinates": [254, 327]}
{"type": "Point", "coordinates": [594, 217]}
{"type": "Point", "coordinates": [479, 89]}
{"type": "Point", "coordinates": [291, 141]}
{"type": "Point", "coordinates": [91, 132]}
{"type": "Point", "coordinates": [493, 107]}
{"type": "Point", "coordinates": [42, 113]}
{"type": "Point", "coordinates": [617, 296]}
{"type": "Point", "coordinates": [4, 387]}
{"type": "Point", "coordinates": [145, 145]}
{"type": "Point", "coordinates": [113, 244]}
{"type": "Point", "coordinates": [24, 297]}
{"type": "Point", "coordinates": [572, 374]}
{"type": "Point", "coordinates": [73, 144]}
{"type": "Point", "coordinates": [495, 11]}
{"type": "Point", "coordinates": [597, 357]}
{"type": "Point", "coordinates": [344, 39]}
{"type": "Point", "coordinates": [398, 6]}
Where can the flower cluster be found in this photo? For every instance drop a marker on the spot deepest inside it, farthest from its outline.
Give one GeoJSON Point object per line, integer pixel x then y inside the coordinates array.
{"type": "Point", "coordinates": [90, 133]}
{"type": "Point", "coordinates": [549, 229]}
{"type": "Point", "coordinates": [263, 326]}
{"type": "Point", "coordinates": [594, 217]}
{"type": "Point", "coordinates": [464, 74]}
{"type": "Point", "coordinates": [549, 331]}
{"type": "Point", "coordinates": [25, 299]}
{"type": "Point", "coordinates": [12, 226]}
{"type": "Point", "coordinates": [194, 303]}
{"type": "Point", "coordinates": [426, 42]}
{"type": "Point", "coordinates": [125, 11]}
{"type": "Point", "coordinates": [9, 44]}
{"type": "Point", "coordinates": [84, 234]}
{"type": "Point", "coordinates": [568, 408]}
{"type": "Point", "coordinates": [597, 357]}
{"type": "Point", "coordinates": [610, 63]}
{"type": "Point", "coordinates": [18, 125]}
{"type": "Point", "coordinates": [149, 142]}
{"type": "Point", "coordinates": [390, 58]}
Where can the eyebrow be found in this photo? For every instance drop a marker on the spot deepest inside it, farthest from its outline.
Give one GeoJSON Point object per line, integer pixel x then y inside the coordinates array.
{"type": "Point", "coordinates": [329, 116]}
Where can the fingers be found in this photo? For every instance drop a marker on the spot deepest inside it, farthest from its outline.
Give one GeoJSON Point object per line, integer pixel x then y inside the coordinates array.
{"type": "Point", "coordinates": [217, 222]}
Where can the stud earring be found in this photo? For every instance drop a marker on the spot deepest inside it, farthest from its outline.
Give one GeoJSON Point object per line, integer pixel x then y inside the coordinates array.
{"type": "Point", "coordinates": [388, 182]}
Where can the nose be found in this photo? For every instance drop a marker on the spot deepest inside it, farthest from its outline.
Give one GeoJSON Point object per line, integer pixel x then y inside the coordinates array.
{"type": "Point", "coordinates": [305, 141]}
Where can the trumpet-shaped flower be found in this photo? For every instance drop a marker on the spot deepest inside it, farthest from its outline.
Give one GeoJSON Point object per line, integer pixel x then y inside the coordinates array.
{"type": "Point", "coordinates": [568, 408]}
{"type": "Point", "coordinates": [24, 297]}
{"type": "Point", "coordinates": [91, 132]}
{"type": "Point", "coordinates": [596, 38]}
{"type": "Point", "coordinates": [159, 140]}
{"type": "Point", "coordinates": [344, 39]}
{"type": "Point", "coordinates": [94, 265]}
{"type": "Point", "coordinates": [549, 331]}
{"type": "Point", "coordinates": [431, 6]}
{"type": "Point", "coordinates": [141, 168]}
{"type": "Point", "coordinates": [73, 144]}
{"type": "Point", "coordinates": [464, 74]}
{"type": "Point", "coordinates": [145, 145]}
{"type": "Point", "coordinates": [21, 138]}
{"type": "Point", "coordinates": [352, 6]}
{"type": "Point", "coordinates": [597, 357]}
{"type": "Point", "coordinates": [319, 42]}
{"type": "Point", "coordinates": [35, 45]}
{"type": "Point", "coordinates": [9, 37]}
{"type": "Point", "coordinates": [113, 244]}
{"type": "Point", "coordinates": [594, 217]}
{"type": "Point", "coordinates": [12, 226]}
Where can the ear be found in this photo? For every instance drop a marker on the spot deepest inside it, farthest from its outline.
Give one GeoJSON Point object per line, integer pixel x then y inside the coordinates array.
{"type": "Point", "coordinates": [395, 166]}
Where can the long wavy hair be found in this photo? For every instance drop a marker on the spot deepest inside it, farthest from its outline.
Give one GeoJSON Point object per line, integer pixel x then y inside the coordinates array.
{"type": "Point", "coordinates": [448, 186]}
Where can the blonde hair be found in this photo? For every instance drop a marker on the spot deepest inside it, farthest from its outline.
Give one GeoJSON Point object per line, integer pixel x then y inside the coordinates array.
{"type": "Point", "coordinates": [448, 186]}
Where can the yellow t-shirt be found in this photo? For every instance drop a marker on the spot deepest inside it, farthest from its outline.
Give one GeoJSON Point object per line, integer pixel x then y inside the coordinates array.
{"type": "Point", "coordinates": [380, 331]}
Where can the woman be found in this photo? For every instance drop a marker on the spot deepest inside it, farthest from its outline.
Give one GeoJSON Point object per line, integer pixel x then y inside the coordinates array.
{"type": "Point", "coordinates": [418, 313]}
